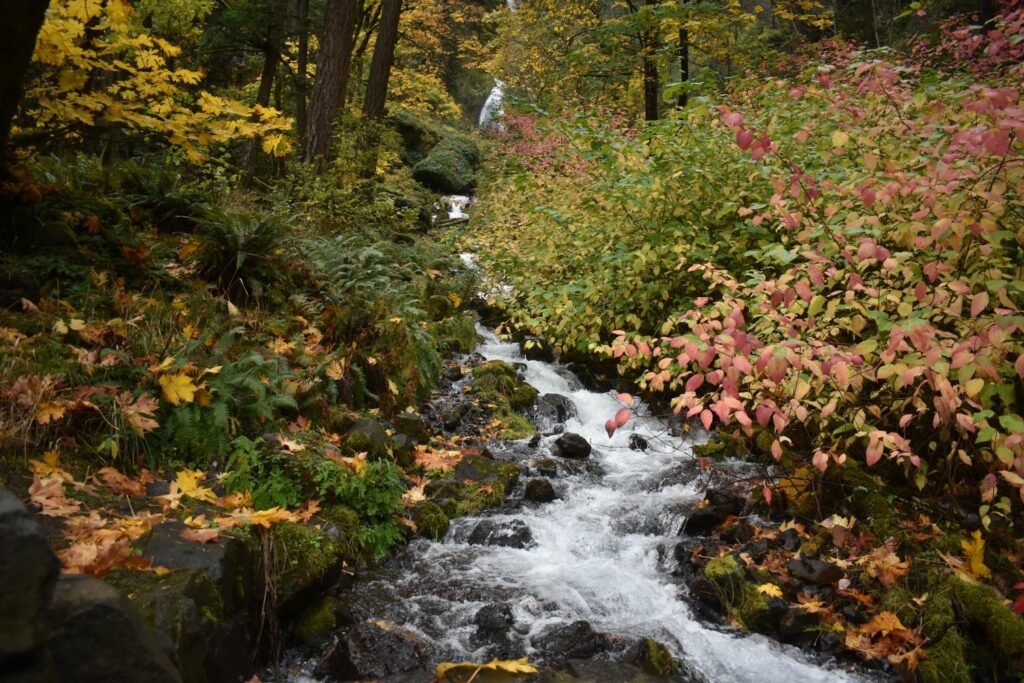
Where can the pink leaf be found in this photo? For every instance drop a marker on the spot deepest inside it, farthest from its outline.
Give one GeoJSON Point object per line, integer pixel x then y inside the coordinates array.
{"type": "Point", "coordinates": [610, 427]}
{"type": "Point", "coordinates": [707, 418]}
{"type": "Point", "coordinates": [694, 382]}
{"type": "Point", "coordinates": [625, 398]}
{"type": "Point", "coordinates": [820, 460]}
{"type": "Point", "coordinates": [622, 416]}
{"type": "Point", "coordinates": [874, 451]}
{"type": "Point", "coordinates": [744, 138]}
{"type": "Point", "coordinates": [776, 450]}
{"type": "Point", "coordinates": [743, 365]}
{"type": "Point", "coordinates": [767, 493]}
{"type": "Point", "coordinates": [978, 304]}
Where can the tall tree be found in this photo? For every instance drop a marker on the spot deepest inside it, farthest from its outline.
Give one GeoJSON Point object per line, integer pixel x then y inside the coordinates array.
{"type": "Point", "coordinates": [18, 30]}
{"type": "Point", "coordinates": [301, 82]}
{"type": "Point", "coordinates": [271, 45]}
{"type": "Point", "coordinates": [332, 71]}
{"type": "Point", "coordinates": [383, 58]}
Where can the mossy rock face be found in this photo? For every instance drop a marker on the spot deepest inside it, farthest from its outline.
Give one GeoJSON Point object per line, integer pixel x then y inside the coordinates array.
{"type": "Point", "coordinates": [367, 436]}
{"type": "Point", "coordinates": [344, 527]}
{"type": "Point", "coordinates": [982, 606]}
{"type": "Point", "coordinates": [495, 376]}
{"type": "Point", "coordinates": [899, 601]}
{"type": "Point", "coordinates": [449, 168]}
{"type": "Point", "coordinates": [725, 573]}
{"type": "Point", "coordinates": [431, 521]}
{"type": "Point", "coordinates": [515, 426]}
{"type": "Point", "coordinates": [457, 499]}
{"type": "Point", "coordinates": [481, 469]}
{"type": "Point", "coordinates": [524, 395]}
{"type": "Point", "coordinates": [307, 560]}
{"type": "Point", "coordinates": [183, 608]}
{"type": "Point", "coordinates": [656, 659]}
{"type": "Point", "coordinates": [456, 334]}
{"type": "Point", "coordinates": [317, 620]}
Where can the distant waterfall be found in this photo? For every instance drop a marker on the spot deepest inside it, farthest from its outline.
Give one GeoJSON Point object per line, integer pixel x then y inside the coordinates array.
{"type": "Point", "coordinates": [491, 113]}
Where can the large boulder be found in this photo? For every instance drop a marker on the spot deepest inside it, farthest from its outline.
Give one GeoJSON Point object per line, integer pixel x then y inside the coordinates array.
{"type": "Point", "coordinates": [540, 490]}
{"type": "Point", "coordinates": [367, 436]}
{"type": "Point", "coordinates": [28, 574]}
{"type": "Point", "coordinates": [577, 640]}
{"type": "Point", "coordinates": [450, 166]}
{"type": "Point", "coordinates": [510, 534]}
{"type": "Point", "coordinates": [373, 650]}
{"type": "Point", "coordinates": [570, 445]}
{"type": "Point", "coordinates": [716, 507]}
{"type": "Point", "coordinates": [97, 636]}
{"type": "Point", "coordinates": [481, 469]}
{"type": "Point", "coordinates": [412, 425]}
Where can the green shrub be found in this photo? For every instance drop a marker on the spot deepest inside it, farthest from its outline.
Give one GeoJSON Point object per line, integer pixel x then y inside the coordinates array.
{"type": "Point", "coordinates": [241, 251]}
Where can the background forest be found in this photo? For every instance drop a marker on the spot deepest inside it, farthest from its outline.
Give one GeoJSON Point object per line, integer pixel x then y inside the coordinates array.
{"type": "Point", "coordinates": [227, 265]}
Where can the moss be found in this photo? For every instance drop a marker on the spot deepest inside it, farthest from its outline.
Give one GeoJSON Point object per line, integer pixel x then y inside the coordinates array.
{"type": "Point", "coordinates": [752, 609]}
{"type": "Point", "coordinates": [717, 447]}
{"type": "Point", "coordinates": [449, 166]}
{"type": "Point", "coordinates": [495, 376]}
{"type": "Point", "coordinates": [899, 601]}
{"type": "Point", "coordinates": [811, 547]}
{"type": "Point", "coordinates": [317, 620]}
{"type": "Point", "coordinates": [477, 498]}
{"type": "Point", "coordinates": [982, 606]}
{"type": "Point", "coordinates": [431, 521]}
{"type": "Point", "coordinates": [515, 426]}
{"type": "Point", "coordinates": [524, 395]}
{"type": "Point", "coordinates": [305, 555]}
{"type": "Point", "coordinates": [656, 659]}
{"type": "Point", "coordinates": [740, 597]}
{"type": "Point", "coordinates": [725, 573]}
{"type": "Point", "coordinates": [946, 662]}
{"type": "Point", "coordinates": [456, 334]}
{"type": "Point", "coordinates": [346, 521]}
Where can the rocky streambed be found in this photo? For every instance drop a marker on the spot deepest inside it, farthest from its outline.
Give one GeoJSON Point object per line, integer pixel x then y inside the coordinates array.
{"type": "Point", "coordinates": [584, 569]}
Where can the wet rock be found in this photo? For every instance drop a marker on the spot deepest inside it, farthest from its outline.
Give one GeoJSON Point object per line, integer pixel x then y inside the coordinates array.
{"type": "Point", "coordinates": [510, 534]}
{"type": "Point", "coordinates": [227, 562]}
{"type": "Point", "coordinates": [317, 621]}
{"type": "Point", "coordinates": [452, 416]}
{"type": "Point", "coordinates": [479, 468]}
{"type": "Point", "coordinates": [309, 560]}
{"type": "Point", "coordinates": [494, 621]}
{"type": "Point", "coordinates": [795, 624]}
{"type": "Point", "coordinates": [651, 656]}
{"type": "Point", "coordinates": [817, 572]}
{"type": "Point", "coordinates": [718, 506]}
{"type": "Point", "coordinates": [547, 467]}
{"type": "Point", "coordinates": [17, 286]}
{"type": "Point", "coordinates": [367, 436]}
{"type": "Point", "coordinates": [444, 488]}
{"type": "Point", "coordinates": [540, 491]}
{"type": "Point", "coordinates": [570, 445]}
{"type": "Point", "coordinates": [534, 348]}
{"type": "Point", "coordinates": [603, 672]}
{"type": "Point", "coordinates": [28, 574]}
{"type": "Point", "coordinates": [577, 640]}
{"type": "Point", "coordinates": [373, 650]}
{"type": "Point", "coordinates": [554, 408]}
{"type": "Point", "coordinates": [534, 441]}
{"type": "Point", "coordinates": [638, 443]}
{"type": "Point", "coordinates": [97, 636]}
{"type": "Point", "coordinates": [402, 447]}
{"type": "Point", "coordinates": [412, 425]}
{"type": "Point", "coordinates": [789, 540]}
{"type": "Point", "coordinates": [523, 396]}
{"type": "Point", "coordinates": [453, 373]}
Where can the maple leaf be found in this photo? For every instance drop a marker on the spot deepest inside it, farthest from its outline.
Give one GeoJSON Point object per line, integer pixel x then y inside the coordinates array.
{"type": "Point", "coordinates": [280, 346]}
{"type": "Point", "coordinates": [770, 589]}
{"type": "Point", "coordinates": [49, 466]}
{"type": "Point", "coordinates": [172, 499]}
{"type": "Point", "coordinates": [974, 549]}
{"type": "Point", "coordinates": [177, 388]}
{"type": "Point", "coordinates": [201, 535]}
{"type": "Point", "coordinates": [413, 496]}
{"type": "Point", "coordinates": [188, 483]}
{"type": "Point", "coordinates": [138, 412]}
{"type": "Point", "coordinates": [436, 459]}
{"type": "Point", "coordinates": [123, 484]}
{"type": "Point", "coordinates": [48, 412]}
{"type": "Point", "coordinates": [264, 518]}
{"type": "Point", "coordinates": [48, 494]}
{"type": "Point", "coordinates": [290, 445]}
{"type": "Point", "coordinates": [886, 566]}
{"type": "Point", "coordinates": [471, 670]}
{"type": "Point", "coordinates": [308, 510]}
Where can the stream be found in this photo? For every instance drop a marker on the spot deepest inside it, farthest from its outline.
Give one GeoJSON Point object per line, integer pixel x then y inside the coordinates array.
{"type": "Point", "coordinates": [600, 552]}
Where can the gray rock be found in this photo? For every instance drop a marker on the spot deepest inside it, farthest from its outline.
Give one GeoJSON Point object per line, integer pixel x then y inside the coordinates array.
{"type": "Point", "coordinates": [367, 436]}
{"type": "Point", "coordinates": [540, 491]}
{"type": "Point", "coordinates": [555, 407]}
{"type": "Point", "coordinates": [548, 467]}
{"type": "Point", "coordinates": [814, 571]}
{"type": "Point", "coordinates": [511, 534]}
{"type": "Point", "coordinates": [638, 443]}
{"type": "Point", "coordinates": [28, 574]}
{"type": "Point", "coordinates": [411, 425]}
{"type": "Point", "coordinates": [451, 418]}
{"type": "Point", "coordinates": [373, 650]}
{"type": "Point", "coordinates": [494, 621]}
{"type": "Point", "coordinates": [97, 636]}
{"type": "Point", "coordinates": [577, 640]}
{"type": "Point", "coordinates": [570, 445]}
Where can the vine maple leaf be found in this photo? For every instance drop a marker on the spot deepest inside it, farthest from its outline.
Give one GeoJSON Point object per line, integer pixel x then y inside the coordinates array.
{"type": "Point", "coordinates": [177, 388]}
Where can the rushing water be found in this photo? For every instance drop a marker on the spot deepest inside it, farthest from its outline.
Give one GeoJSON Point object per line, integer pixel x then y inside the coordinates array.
{"type": "Point", "coordinates": [598, 554]}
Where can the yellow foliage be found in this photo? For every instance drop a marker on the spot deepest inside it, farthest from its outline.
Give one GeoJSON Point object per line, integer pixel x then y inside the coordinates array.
{"type": "Point", "coordinates": [177, 388]}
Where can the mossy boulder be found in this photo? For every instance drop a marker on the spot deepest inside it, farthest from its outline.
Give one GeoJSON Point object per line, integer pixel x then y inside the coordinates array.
{"type": "Point", "coordinates": [342, 524]}
{"type": "Point", "coordinates": [523, 396]}
{"type": "Point", "coordinates": [307, 559]}
{"type": "Point", "coordinates": [515, 426]}
{"type": "Point", "coordinates": [752, 608]}
{"type": "Point", "coordinates": [449, 167]}
{"type": "Point", "coordinates": [431, 521]}
{"type": "Point", "coordinates": [481, 469]}
{"type": "Point", "coordinates": [655, 659]}
{"type": "Point", "coordinates": [725, 573]}
{"type": "Point", "coordinates": [367, 436]}
{"type": "Point", "coordinates": [317, 620]}
{"type": "Point", "coordinates": [495, 376]}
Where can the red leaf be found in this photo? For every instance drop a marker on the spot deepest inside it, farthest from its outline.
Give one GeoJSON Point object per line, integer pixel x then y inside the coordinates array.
{"type": "Point", "coordinates": [610, 427]}
{"type": "Point", "coordinates": [707, 418]}
{"type": "Point", "coordinates": [744, 138]}
{"type": "Point", "coordinates": [694, 382]}
{"type": "Point", "coordinates": [622, 417]}
{"type": "Point", "coordinates": [978, 304]}
{"type": "Point", "coordinates": [767, 493]}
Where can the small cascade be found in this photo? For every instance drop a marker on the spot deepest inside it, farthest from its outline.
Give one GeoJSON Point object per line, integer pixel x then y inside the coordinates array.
{"type": "Point", "coordinates": [491, 113]}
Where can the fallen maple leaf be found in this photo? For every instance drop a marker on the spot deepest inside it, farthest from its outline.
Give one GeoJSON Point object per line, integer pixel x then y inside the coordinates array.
{"type": "Point", "coordinates": [974, 549]}
{"type": "Point", "coordinates": [886, 566]}
{"type": "Point", "coordinates": [201, 535]}
{"type": "Point", "coordinates": [188, 483]}
{"type": "Point", "coordinates": [177, 388]}
{"type": "Point", "coordinates": [770, 589]}
{"type": "Point", "coordinates": [471, 669]}
{"type": "Point", "coordinates": [48, 412]}
{"type": "Point", "coordinates": [48, 494]}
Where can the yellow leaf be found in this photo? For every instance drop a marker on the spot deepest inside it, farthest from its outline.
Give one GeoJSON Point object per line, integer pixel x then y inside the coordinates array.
{"type": "Point", "coordinates": [177, 388]}
{"type": "Point", "coordinates": [77, 324]}
{"type": "Point", "coordinates": [839, 139]}
{"type": "Point", "coordinates": [770, 589]}
{"type": "Point", "coordinates": [60, 328]}
{"type": "Point", "coordinates": [188, 483]}
{"type": "Point", "coordinates": [975, 552]}
{"type": "Point", "coordinates": [510, 666]}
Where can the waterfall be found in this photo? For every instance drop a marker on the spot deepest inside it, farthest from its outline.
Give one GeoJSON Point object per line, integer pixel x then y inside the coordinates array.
{"type": "Point", "coordinates": [491, 113]}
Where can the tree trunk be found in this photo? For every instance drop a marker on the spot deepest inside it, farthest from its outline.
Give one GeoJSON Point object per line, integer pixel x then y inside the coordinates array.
{"type": "Point", "coordinates": [18, 30]}
{"type": "Point", "coordinates": [332, 70]}
{"type": "Point", "coordinates": [651, 85]}
{"type": "Point", "coordinates": [301, 84]}
{"type": "Point", "coordinates": [684, 64]}
{"type": "Point", "coordinates": [383, 58]}
{"type": "Point", "coordinates": [271, 56]}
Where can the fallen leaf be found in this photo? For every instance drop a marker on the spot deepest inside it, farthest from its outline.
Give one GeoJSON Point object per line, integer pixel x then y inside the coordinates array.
{"type": "Point", "coordinates": [177, 388]}
{"type": "Point", "coordinates": [201, 535]}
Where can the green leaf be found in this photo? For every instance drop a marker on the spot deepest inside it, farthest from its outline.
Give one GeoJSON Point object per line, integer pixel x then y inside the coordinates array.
{"type": "Point", "coordinates": [1012, 423]}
